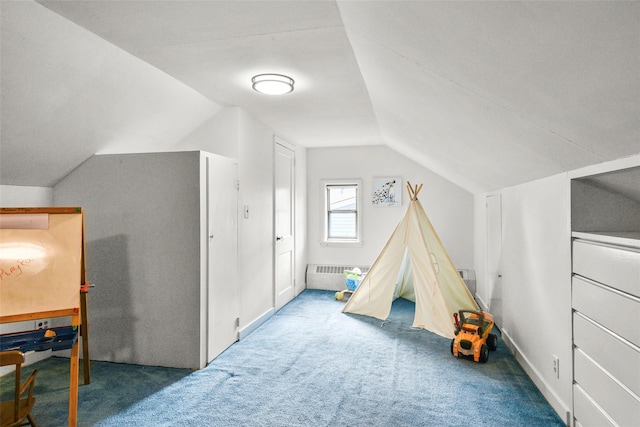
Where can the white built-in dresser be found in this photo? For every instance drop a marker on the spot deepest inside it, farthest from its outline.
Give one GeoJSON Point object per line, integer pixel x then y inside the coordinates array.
{"type": "Point", "coordinates": [606, 329]}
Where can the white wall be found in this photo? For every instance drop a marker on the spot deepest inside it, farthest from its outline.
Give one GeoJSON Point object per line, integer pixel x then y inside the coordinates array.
{"type": "Point", "coordinates": [256, 154]}
{"type": "Point", "coordinates": [217, 135]}
{"type": "Point", "coordinates": [301, 218]}
{"type": "Point", "coordinates": [536, 277]}
{"type": "Point", "coordinates": [536, 280]}
{"type": "Point", "coordinates": [235, 133]}
{"type": "Point", "coordinates": [449, 207]}
{"type": "Point", "coordinates": [15, 196]}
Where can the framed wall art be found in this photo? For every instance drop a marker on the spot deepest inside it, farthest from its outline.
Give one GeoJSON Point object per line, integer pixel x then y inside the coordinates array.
{"type": "Point", "coordinates": [387, 191]}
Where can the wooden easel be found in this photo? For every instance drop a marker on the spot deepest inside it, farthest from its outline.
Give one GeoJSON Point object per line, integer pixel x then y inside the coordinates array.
{"type": "Point", "coordinates": [84, 330]}
{"type": "Point", "coordinates": [43, 275]}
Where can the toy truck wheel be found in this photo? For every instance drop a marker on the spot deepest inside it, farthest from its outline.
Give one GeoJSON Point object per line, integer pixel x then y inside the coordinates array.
{"type": "Point", "coordinates": [452, 341]}
{"type": "Point", "coordinates": [492, 342]}
{"type": "Point", "coordinates": [484, 353]}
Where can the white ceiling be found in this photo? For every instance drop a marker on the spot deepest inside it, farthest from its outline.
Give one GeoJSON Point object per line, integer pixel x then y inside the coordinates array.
{"type": "Point", "coordinates": [487, 94]}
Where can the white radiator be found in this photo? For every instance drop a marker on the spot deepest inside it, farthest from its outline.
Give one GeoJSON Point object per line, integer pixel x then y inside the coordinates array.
{"type": "Point", "coordinates": [329, 277]}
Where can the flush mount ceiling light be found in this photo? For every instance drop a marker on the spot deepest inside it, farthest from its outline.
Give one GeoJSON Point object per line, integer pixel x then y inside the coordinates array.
{"type": "Point", "coordinates": [272, 84]}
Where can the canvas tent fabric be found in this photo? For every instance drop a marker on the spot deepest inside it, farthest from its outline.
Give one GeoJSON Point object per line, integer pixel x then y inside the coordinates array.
{"type": "Point", "coordinates": [414, 265]}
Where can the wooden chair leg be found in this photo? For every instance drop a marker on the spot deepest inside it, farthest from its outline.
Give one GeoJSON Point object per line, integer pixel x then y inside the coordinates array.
{"type": "Point", "coordinates": [32, 421]}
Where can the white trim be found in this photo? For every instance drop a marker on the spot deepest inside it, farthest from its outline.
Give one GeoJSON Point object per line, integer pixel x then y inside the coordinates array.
{"type": "Point", "coordinates": [483, 305]}
{"type": "Point", "coordinates": [284, 143]}
{"type": "Point", "coordinates": [341, 244]}
{"type": "Point", "coordinates": [244, 332]}
{"type": "Point", "coordinates": [614, 165]}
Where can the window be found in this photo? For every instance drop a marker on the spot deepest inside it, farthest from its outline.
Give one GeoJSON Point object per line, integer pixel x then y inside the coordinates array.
{"type": "Point", "coordinates": [342, 212]}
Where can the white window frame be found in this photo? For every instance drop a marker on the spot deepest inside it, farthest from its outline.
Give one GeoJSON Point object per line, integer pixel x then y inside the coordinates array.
{"type": "Point", "coordinates": [326, 241]}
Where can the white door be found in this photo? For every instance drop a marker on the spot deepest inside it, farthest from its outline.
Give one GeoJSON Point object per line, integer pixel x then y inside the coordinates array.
{"type": "Point", "coordinates": [222, 266]}
{"type": "Point", "coordinates": [493, 295]}
{"type": "Point", "coordinates": [284, 225]}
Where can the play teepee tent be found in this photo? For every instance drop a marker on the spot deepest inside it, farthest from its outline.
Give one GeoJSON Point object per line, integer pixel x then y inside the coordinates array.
{"type": "Point", "coordinates": [414, 265]}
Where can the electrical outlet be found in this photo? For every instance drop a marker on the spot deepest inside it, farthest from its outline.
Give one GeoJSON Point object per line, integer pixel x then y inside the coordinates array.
{"type": "Point", "coordinates": [556, 366]}
{"type": "Point", "coordinates": [43, 324]}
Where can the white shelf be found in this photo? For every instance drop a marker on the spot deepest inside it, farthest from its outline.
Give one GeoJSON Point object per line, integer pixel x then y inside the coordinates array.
{"type": "Point", "coordinates": [621, 238]}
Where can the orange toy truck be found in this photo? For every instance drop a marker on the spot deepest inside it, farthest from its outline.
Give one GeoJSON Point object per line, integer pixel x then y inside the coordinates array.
{"type": "Point", "coordinates": [473, 335]}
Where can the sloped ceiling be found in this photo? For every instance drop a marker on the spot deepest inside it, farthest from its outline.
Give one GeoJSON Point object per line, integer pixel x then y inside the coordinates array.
{"type": "Point", "coordinates": [68, 94]}
{"type": "Point", "coordinates": [487, 94]}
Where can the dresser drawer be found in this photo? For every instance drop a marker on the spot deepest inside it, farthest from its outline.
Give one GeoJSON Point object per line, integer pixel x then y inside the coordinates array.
{"type": "Point", "coordinates": [613, 266]}
{"type": "Point", "coordinates": [612, 309]}
{"type": "Point", "coordinates": [607, 350]}
{"type": "Point", "coordinates": [586, 412]}
{"type": "Point", "coordinates": [621, 405]}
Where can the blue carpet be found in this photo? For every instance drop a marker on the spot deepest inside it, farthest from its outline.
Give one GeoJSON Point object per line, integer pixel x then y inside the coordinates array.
{"type": "Point", "coordinates": [310, 365]}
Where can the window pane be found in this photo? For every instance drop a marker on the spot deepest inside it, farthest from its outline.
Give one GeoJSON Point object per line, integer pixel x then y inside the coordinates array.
{"type": "Point", "coordinates": [342, 198]}
{"type": "Point", "coordinates": [342, 212]}
{"type": "Point", "coordinates": [342, 225]}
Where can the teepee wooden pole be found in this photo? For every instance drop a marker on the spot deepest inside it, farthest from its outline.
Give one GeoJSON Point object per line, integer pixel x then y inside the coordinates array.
{"type": "Point", "coordinates": [410, 190]}
{"type": "Point", "coordinates": [413, 191]}
{"type": "Point", "coordinates": [418, 190]}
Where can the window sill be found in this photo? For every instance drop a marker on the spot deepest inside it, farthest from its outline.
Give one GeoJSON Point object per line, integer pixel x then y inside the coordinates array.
{"type": "Point", "coordinates": [341, 244]}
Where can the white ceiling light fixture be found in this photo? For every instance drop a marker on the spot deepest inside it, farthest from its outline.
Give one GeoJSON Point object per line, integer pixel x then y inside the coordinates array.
{"type": "Point", "coordinates": [272, 84]}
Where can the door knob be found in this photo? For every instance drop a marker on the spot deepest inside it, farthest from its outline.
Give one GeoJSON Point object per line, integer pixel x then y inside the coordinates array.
{"type": "Point", "coordinates": [279, 238]}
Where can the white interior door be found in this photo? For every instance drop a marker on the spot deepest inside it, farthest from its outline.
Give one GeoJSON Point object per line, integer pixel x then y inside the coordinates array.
{"type": "Point", "coordinates": [493, 295]}
{"type": "Point", "coordinates": [223, 293]}
{"type": "Point", "coordinates": [284, 225]}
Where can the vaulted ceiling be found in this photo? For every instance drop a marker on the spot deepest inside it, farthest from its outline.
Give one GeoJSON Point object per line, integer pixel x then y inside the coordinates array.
{"type": "Point", "coordinates": [487, 94]}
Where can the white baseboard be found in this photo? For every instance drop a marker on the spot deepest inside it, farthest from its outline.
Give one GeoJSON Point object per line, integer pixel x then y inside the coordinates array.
{"type": "Point", "coordinates": [554, 400]}
{"type": "Point", "coordinates": [244, 332]}
{"type": "Point", "coordinates": [483, 305]}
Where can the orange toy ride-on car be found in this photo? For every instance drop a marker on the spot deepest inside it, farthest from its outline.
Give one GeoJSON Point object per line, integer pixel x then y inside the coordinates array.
{"type": "Point", "coordinates": [473, 335]}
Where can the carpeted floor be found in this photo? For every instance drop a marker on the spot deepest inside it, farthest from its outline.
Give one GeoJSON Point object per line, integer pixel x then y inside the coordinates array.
{"type": "Point", "coordinates": [309, 365]}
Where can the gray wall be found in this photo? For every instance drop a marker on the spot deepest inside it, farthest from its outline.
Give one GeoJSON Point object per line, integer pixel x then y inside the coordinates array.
{"type": "Point", "coordinates": [594, 208]}
{"type": "Point", "coordinates": [234, 133]}
{"type": "Point", "coordinates": [142, 230]}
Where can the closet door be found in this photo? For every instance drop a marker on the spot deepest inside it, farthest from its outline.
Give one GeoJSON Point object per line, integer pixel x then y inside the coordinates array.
{"type": "Point", "coordinates": [284, 225]}
{"type": "Point", "coordinates": [492, 295]}
{"type": "Point", "coordinates": [223, 309]}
